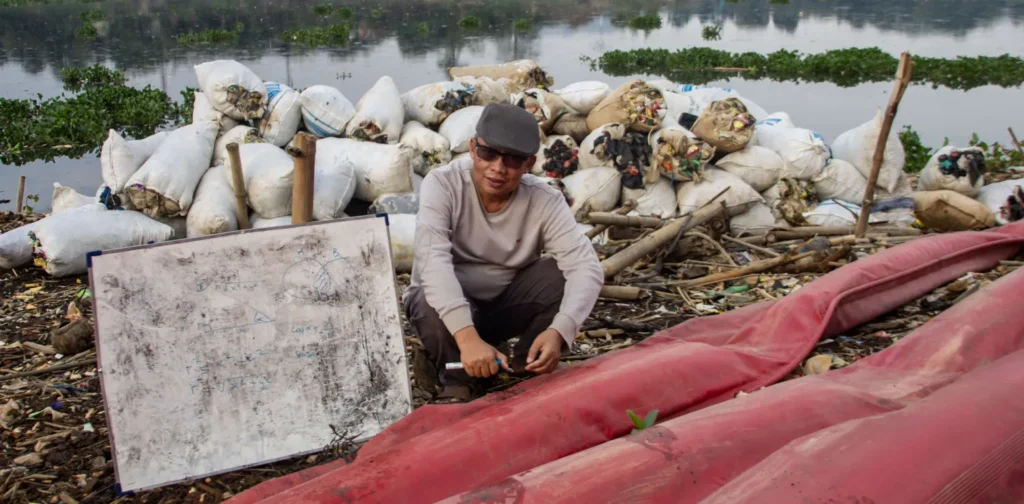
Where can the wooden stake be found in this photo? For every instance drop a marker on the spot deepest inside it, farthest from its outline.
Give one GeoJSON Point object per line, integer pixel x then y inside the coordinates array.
{"type": "Point", "coordinates": [612, 219]}
{"type": "Point", "coordinates": [600, 228]}
{"type": "Point", "coordinates": [621, 292]}
{"type": "Point", "coordinates": [1016, 143]}
{"type": "Point", "coordinates": [21, 195]}
{"type": "Point", "coordinates": [903, 73]}
{"type": "Point", "coordinates": [302, 191]}
{"type": "Point", "coordinates": [649, 243]}
{"type": "Point", "coordinates": [241, 207]}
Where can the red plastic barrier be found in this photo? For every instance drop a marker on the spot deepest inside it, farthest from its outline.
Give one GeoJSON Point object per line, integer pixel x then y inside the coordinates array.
{"type": "Point", "coordinates": [439, 451]}
{"type": "Point", "coordinates": [964, 443]}
{"type": "Point", "coordinates": [688, 458]}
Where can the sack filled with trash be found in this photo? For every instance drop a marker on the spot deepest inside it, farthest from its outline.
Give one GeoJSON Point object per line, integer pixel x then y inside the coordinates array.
{"type": "Point", "coordinates": [240, 135]}
{"type": "Point", "coordinates": [325, 110]}
{"type": "Point", "coordinates": [626, 151]}
{"type": "Point", "coordinates": [268, 174]}
{"type": "Point", "coordinates": [16, 246]}
{"type": "Point", "coordinates": [584, 96]}
{"type": "Point", "coordinates": [521, 74]}
{"type": "Point", "coordinates": [334, 180]}
{"type": "Point", "coordinates": [954, 169]}
{"type": "Point", "coordinates": [166, 182]}
{"type": "Point", "coordinates": [179, 226]}
{"type": "Point", "coordinates": [546, 107]}
{"type": "Point", "coordinates": [233, 89]}
{"type": "Point", "coordinates": [283, 116]}
{"type": "Point", "coordinates": [857, 147]}
{"type": "Point", "coordinates": [432, 146]}
{"type": "Point", "coordinates": [460, 128]}
{"type": "Point", "coordinates": [803, 150]}
{"type": "Point", "coordinates": [213, 209]}
{"type": "Point", "coordinates": [60, 243]}
{"type": "Point", "coordinates": [657, 199]}
{"type": "Point", "coordinates": [678, 155]}
{"type": "Point", "coordinates": [760, 167]}
{"type": "Point", "coordinates": [558, 157]}
{"type": "Point", "coordinates": [431, 104]}
{"type": "Point", "coordinates": [487, 90]}
{"type": "Point", "coordinates": [202, 110]}
{"type": "Point", "coordinates": [676, 102]}
{"type": "Point", "coordinates": [379, 168]}
{"type": "Point", "coordinates": [558, 185]}
{"type": "Point", "coordinates": [635, 104]}
{"type": "Point", "coordinates": [572, 124]}
{"type": "Point", "coordinates": [67, 198]}
{"type": "Point", "coordinates": [780, 119]}
{"type": "Point", "coordinates": [739, 197]}
{"type": "Point", "coordinates": [756, 221]}
{"type": "Point", "coordinates": [120, 158]}
{"type": "Point", "coordinates": [257, 222]}
{"type": "Point", "coordinates": [593, 190]}
{"type": "Point", "coordinates": [402, 231]}
{"type": "Point", "coordinates": [379, 114]}
{"type": "Point", "coordinates": [951, 211]}
{"type": "Point", "coordinates": [726, 125]}
{"type": "Point", "coordinates": [1005, 199]}
{"type": "Point", "coordinates": [703, 96]}
{"type": "Point", "coordinates": [840, 180]}
{"type": "Point", "coordinates": [790, 199]}
{"type": "Point", "coordinates": [406, 203]}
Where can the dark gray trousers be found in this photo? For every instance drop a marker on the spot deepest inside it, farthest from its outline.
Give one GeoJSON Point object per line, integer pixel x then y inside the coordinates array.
{"type": "Point", "coordinates": [525, 309]}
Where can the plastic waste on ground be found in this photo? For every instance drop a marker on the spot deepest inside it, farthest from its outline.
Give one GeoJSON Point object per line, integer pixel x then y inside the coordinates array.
{"type": "Point", "coordinates": [60, 243]}
{"type": "Point", "coordinates": [233, 89]}
{"type": "Point", "coordinates": [325, 110]}
{"type": "Point", "coordinates": [954, 169]}
{"type": "Point", "coordinates": [379, 115]}
{"type": "Point", "coordinates": [213, 209]}
{"type": "Point", "coordinates": [164, 185]}
{"type": "Point", "coordinates": [857, 147]}
{"type": "Point", "coordinates": [738, 198]}
{"type": "Point", "coordinates": [120, 158]}
{"type": "Point", "coordinates": [440, 451]}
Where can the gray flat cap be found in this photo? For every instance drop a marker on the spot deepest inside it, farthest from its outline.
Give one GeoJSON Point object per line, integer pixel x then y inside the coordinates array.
{"type": "Point", "coordinates": [509, 129]}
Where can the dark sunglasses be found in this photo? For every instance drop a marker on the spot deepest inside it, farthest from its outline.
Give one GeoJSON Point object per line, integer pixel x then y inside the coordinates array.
{"type": "Point", "coordinates": [510, 160]}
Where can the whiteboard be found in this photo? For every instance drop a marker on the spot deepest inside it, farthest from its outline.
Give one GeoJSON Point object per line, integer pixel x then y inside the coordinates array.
{"type": "Point", "coordinates": [239, 349]}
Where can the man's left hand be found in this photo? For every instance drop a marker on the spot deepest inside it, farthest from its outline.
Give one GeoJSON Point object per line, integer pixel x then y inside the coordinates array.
{"type": "Point", "coordinates": [544, 352]}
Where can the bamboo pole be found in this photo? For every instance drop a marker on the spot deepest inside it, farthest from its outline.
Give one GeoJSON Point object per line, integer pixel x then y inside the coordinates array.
{"type": "Point", "coordinates": [612, 219]}
{"type": "Point", "coordinates": [754, 267]}
{"type": "Point", "coordinates": [21, 195]}
{"type": "Point", "coordinates": [811, 231]}
{"type": "Point", "coordinates": [1016, 143]}
{"type": "Point", "coordinates": [649, 243]}
{"type": "Point", "coordinates": [621, 292]}
{"type": "Point", "coordinates": [903, 73]}
{"type": "Point", "coordinates": [241, 207]}
{"type": "Point", "coordinates": [302, 190]}
{"type": "Point", "coordinates": [600, 228]}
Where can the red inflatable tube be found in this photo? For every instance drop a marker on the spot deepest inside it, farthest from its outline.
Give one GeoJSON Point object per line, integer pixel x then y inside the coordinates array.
{"type": "Point", "coordinates": [439, 451]}
{"type": "Point", "coordinates": [964, 443]}
{"type": "Point", "coordinates": [688, 458]}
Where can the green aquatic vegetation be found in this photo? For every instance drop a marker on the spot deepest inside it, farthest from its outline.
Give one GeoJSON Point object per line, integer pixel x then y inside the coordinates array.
{"type": "Point", "coordinates": [469, 22]}
{"type": "Point", "coordinates": [522, 25]}
{"type": "Point", "coordinates": [43, 129]}
{"type": "Point", "coordinates": [917, 154]}
{"type": "Point", "coordinates": [712, 32]}
{"type": "Point", "coordinates": [323, 10]}
{"type": "Point", "coordinates": [376, 13]}
{"type": "Point", "coordinates": [211, 36]}
{"type": "Point", "coordinates": [779, 2]}
{"type": "Point", "coordinates": [998, 157]}
{"type": "Point", "coordinates": [646, 422]}
{"type": "Point", "coordinates": [843, 67]}
{"type": "Point", "coordinates": [344, 13]}
{"type": "Point", "coordinates": [92, 15]}
{"type": "Point", "coordinates": [646, 22]}
{"type": "Point", "coordinates": [334, 35]}
{"type": "Point", "coordinates": [423, 28]}
{"type": "Point", "coordinates": [76, 79]}
{"type": "Point", "coordinates": [86, 32]}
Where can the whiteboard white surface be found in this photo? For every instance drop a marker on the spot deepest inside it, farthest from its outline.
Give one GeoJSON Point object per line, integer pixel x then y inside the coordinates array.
{"type": "Point", "coordinates": [240, 349]}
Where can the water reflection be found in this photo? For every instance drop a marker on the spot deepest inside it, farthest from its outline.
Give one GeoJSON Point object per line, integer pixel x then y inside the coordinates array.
{"type": "Point", "coordinates": [137, 36]}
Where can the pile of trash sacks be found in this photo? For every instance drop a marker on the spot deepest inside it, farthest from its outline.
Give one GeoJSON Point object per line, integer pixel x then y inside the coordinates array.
{"type": "Point", "coordinates": [669, 147]}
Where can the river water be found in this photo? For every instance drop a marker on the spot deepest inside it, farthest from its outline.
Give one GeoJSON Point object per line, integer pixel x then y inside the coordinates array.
{"type": "Point", "coordinates": [38, 40]}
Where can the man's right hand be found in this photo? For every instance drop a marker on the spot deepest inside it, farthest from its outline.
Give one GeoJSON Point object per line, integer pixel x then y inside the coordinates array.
{"type": "Point", "coordinates": [479, 359]}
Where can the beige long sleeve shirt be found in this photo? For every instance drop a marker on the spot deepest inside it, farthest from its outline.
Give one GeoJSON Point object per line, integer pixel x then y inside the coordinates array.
{"type": "Point", "coordinates": [462, 250]}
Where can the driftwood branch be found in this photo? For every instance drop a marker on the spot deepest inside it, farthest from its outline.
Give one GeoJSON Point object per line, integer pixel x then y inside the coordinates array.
{"type": "Point", "coordinates": [754, 267]}
{"type": "Point", "coordinates": [600, 228]}
{"type": "Point", "coordinates": [612, 219]}
{"type": "Point", "coordinates": [903, 73]}
{"type": "Point", "coordinates": [59, 367]}
{"type": "Point", "coordinates": [811, 231]}
{"type": "Point", "coordinates": [621, 292]}
{"type": "Point", "coordinates": [751, 246]}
